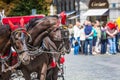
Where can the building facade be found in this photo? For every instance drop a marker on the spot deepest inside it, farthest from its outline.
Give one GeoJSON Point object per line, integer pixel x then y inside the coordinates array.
{"type": "Point", "coordinates": [112, 8]}
{"type": "Point", "coordinates": [102, 10]}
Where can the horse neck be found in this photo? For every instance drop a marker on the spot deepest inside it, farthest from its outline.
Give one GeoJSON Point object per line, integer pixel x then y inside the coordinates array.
{"type": "Point", "coordinates": [4, 38]}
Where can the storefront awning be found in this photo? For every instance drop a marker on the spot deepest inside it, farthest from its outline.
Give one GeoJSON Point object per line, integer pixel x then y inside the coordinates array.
{"type": "Point", "coordinates": [74, 17]}
{"type": "Point", "coordinates": [70, 12]}
{"type": "Point", "coordinates": [95, 12]}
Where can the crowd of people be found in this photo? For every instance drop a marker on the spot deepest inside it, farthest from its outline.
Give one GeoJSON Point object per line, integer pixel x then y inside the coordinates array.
{"type": "Point", "coordinates": [95, 37]}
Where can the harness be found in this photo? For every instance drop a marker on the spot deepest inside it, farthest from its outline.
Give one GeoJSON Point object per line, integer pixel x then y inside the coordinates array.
{"type": "Point", "coordinates": [5, 67]}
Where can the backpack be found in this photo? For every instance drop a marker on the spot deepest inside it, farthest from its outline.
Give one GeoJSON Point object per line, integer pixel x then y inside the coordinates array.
{"type": "Point", "coordinates": [103, 35]}
{"type": "Point", "coordinates": [88, 29]}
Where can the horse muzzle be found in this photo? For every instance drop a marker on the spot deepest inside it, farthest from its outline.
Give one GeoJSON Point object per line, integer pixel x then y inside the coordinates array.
{"type": "Point", "coordinates": [25, 58]}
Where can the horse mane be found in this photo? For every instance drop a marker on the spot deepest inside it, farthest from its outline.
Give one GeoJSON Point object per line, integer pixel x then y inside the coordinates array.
{"type": "Point", "coordinates": [33, 22]}
{"type": "Point", "coordinates": [53, 16]}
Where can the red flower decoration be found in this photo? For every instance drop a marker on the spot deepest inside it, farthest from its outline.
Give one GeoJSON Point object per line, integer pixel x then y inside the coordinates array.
{"type": "Point", "coordinates": [53, 64]}
{"type": "Point", "coordinates": [62, 60]}
{"type": "Point", "coordinates": [14, 54]}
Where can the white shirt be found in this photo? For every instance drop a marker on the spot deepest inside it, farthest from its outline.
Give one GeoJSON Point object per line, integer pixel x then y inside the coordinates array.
{"type": "Point", "coordinates": [76, 32]}
{"type": "Point", "coordinates": [70, 32]}
{"type": "Point", "coordinates": [82, 34]}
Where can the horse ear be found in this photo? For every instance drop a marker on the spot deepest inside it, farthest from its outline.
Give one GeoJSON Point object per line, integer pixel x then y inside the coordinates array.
{"type": "Point", "coordinates": [22, 22]}
{"type": "Point", "coordinates": [11, 25]}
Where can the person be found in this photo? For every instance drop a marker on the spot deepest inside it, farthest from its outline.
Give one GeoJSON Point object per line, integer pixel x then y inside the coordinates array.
{"type": "Point", "coordinates": [98, 29]}
{"type": "Point", "coordinates": [76, 47]}
{"type": "Point", "coordinates": [103, 38]}
{"type": "Point", "coordinates": [111, 31]}
{"type": "Point", "coordinates": [94, 36]}
{"type": "Point", "coordinates": [71, 34]}
{"type": "Point", "coordinates": [117, 38]}
{"type": "Point", "coordinates": [77, 36]}
{"type": "Point", "coordinates": [89, 37]}
{"type": "Point", "coordinates": [82, 39]}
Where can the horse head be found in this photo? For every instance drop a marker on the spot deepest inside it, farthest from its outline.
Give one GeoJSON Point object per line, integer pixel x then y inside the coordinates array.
{"type": "Point", "coordinates": [65, 37]}
{"type": "Point", "coordinates": [19, 36]}
{"type": "Point", "coordinates": [38, 29]}
{"type": "Point", "coordinates": [60, 37]}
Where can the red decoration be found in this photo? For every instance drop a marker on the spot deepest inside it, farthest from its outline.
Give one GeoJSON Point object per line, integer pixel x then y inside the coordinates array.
{"type": "Point", "coordinates": [62, 60]}
{"type": "Point", "coordinates": [5, 55]}
{"type": "Point", "coordinates": [16, 19]}
{"type": "Point", "coordinates": [22, 22]}
{"type": "Point", "coordinates": [63, 17]}
{"type": "Point", "coordinates": [11, 25]}
{"type": "Point", "coordinates": [111, 25]}
{"type": "Point", "coordinates": [14, 54]}
{"type": "Point", "coordinates": [53, 64]}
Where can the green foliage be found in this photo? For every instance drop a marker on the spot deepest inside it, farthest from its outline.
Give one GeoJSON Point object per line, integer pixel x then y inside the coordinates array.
{"type": "Point", "coordinates": [24, 7]}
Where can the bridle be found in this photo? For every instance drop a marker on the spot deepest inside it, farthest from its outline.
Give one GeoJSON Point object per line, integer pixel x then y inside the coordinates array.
{"type": "Point", "coordinates": [5, 59]}
{"type": "Point", "coordinates": [20, 31]}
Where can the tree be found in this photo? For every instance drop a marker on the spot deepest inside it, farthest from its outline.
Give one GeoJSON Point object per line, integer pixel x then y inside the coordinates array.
{"type": "Point", "coordinates": [25, 6]}
{"type": "Point", "coordinates": [8, 5]}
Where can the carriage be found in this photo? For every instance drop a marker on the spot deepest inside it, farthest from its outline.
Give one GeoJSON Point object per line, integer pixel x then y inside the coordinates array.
{"type": "Point", "coordinates": [21, 32]}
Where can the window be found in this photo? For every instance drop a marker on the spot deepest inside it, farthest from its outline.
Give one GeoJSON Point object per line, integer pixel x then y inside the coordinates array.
{"type": "Point", "coordinates": [113, 5]}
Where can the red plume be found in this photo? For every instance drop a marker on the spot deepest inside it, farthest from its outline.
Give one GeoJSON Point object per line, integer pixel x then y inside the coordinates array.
{"type": "Point", "coordinates": [22, 22]}
{"type": "Point", "coordinates": [11, 25]}
{"type": "Point", "coordinates": [63, 17]}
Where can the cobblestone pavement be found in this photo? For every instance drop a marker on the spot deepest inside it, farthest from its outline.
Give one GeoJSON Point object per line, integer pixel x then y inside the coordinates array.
{"type": "Point", "coordinates": [98, 67]}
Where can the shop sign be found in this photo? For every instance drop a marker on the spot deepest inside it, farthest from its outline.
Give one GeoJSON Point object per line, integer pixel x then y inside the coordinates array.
{"type": "Point", "coordinates": [98, 4]}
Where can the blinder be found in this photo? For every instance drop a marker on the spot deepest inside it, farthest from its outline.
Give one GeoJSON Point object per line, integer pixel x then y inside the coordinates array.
{"type": "Point", "coordinates": [65, 33]}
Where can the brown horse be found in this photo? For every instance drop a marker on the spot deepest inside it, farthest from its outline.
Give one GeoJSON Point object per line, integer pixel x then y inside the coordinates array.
{"type": "Point", "coordinates": [17, 39]}
{"type": "Point", "coordinates": [58, 43]}
{"type": "Point", "coordinates": [4, 42]}
{"type": "Point", "coordinates": [35, 60]}
{"type": "Point", "coordinates": [7, 58]}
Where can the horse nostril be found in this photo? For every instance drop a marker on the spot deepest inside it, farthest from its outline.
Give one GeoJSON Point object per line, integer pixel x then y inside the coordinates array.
{"type": "Point", "coordinates": [25, 59]}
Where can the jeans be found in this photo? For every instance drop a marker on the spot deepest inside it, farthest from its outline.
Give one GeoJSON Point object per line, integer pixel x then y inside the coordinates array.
{"type": "Point", "coordinates": [76, 50]}
{"type": "Point", "coordinates": [90, 43]}
{"type": "Point", "coordinates": [77, 46]}
{"type": "Point", "coordinates": [94, 41]}
{"type": "Point", "coordinates": [78, 39]}
{"type": "Point", "coordinates": [103, 46]}
{"type": "Point", "coordinates": [112, 43]}
{"type": "Point", "coordinates": [82, 42]}
{"type": "Point", "coordinates": [71, 41]}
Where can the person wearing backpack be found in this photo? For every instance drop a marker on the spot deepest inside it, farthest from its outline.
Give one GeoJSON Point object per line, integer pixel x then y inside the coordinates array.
{"type": "Point", "coordinates": [103, 38]}
{"type": "Point", "coordinates": [89, 37]}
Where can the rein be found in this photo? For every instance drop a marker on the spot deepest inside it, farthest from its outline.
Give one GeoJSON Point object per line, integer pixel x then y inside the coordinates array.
{"type": "Point", "coordinates": [9, 68]}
